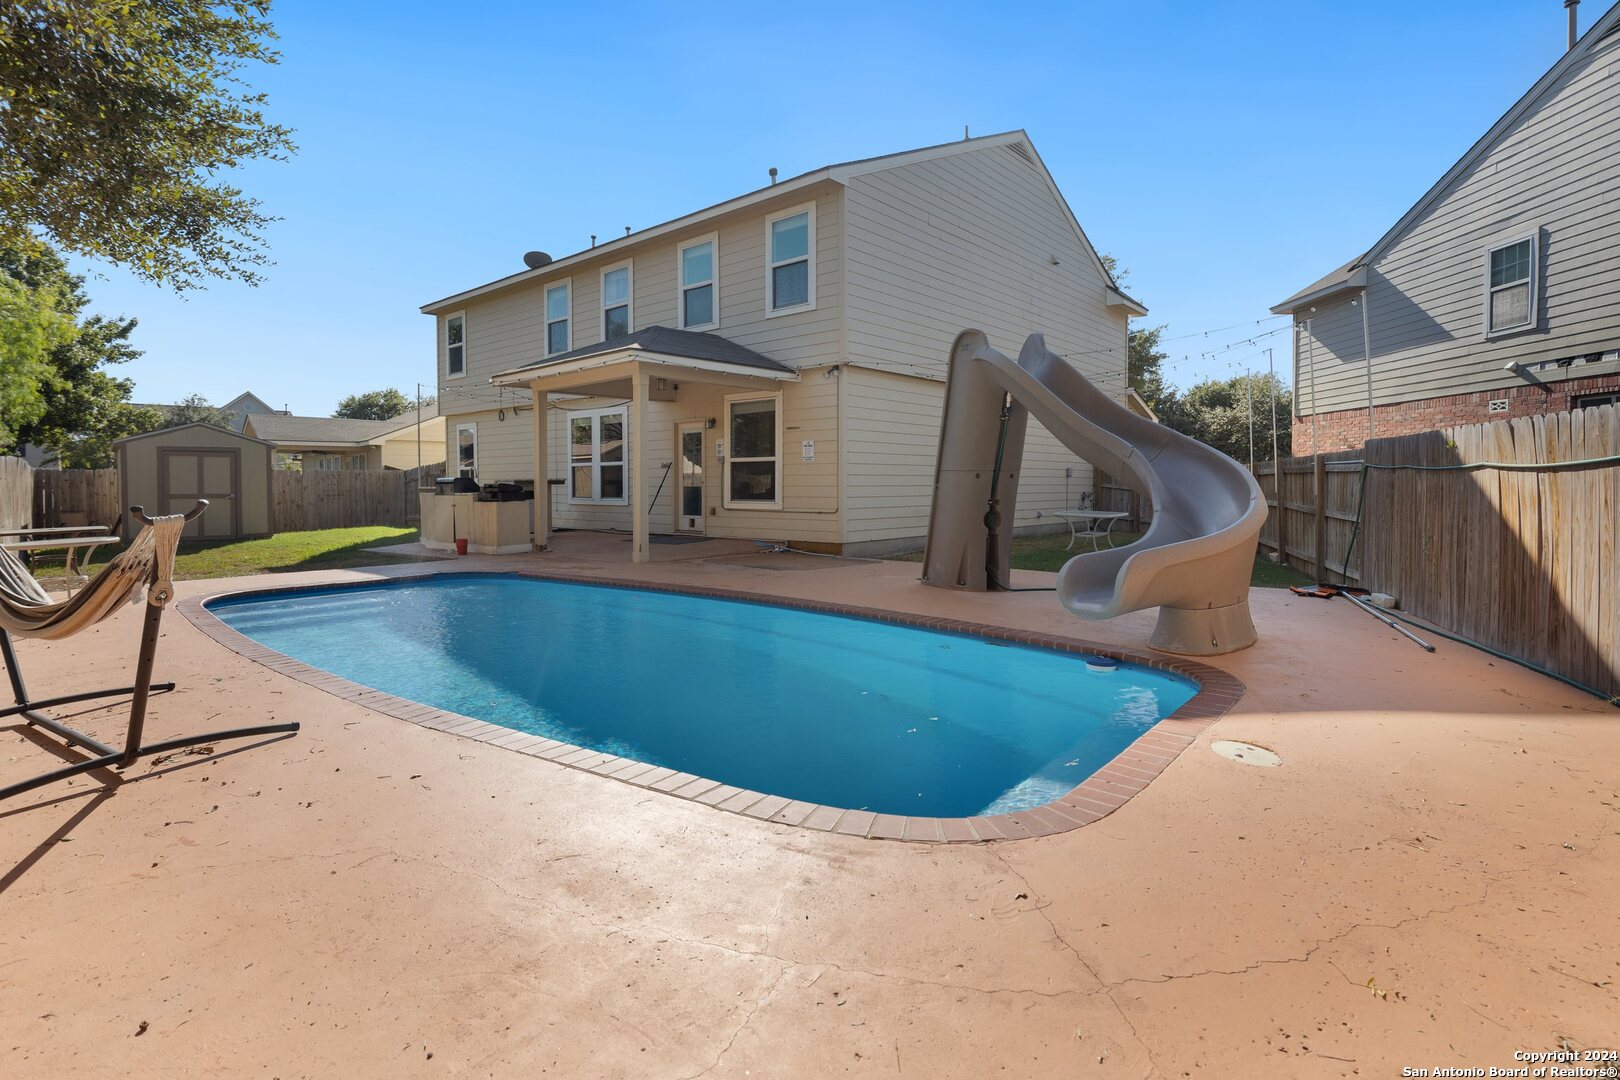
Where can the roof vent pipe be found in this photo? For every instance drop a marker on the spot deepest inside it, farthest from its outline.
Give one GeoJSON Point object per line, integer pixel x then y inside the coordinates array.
{"type": "Point", "coordinates": [627, 230]}
{"type": "Point", "coordinates": [1570, 6]}
{"type": "Point", "coordinates": [773, 176]}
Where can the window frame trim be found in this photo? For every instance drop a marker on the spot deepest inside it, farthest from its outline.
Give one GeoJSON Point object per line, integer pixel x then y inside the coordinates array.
{"type": "Point", "coordinates": [629, 266]}
{"type": "Point", "coordinates": [726, 500]}
{"type": "Point", "coordinates": [546, 320]}
{"type": "Point", "coordinates": [472, 426]}
{"type": "Point", "coordinates": [1533, 322]}
{"type": "Point", "coordinates": [595, 415]}
{"type": "Point", "coordinates": [444, 341]}
{"type": "Point", "coordinates": [713, 239]}
{"type": "Point", "coordinates": [771, 310]}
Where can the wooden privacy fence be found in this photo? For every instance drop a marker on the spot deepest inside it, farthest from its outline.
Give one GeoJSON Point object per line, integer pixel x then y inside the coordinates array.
{"type": "Point", "coordinates": [76, 497]}
{"type": "Point", "coordinates": [16, 493]}
{"type": "Point", "coordinates": [1109, 494]}
{"type": "Point", "coordinates": [345, 498]}
{"type": "Point", "coordinates": [1311, 522]}
{"type": "Point", "coordinates": [1502, 533]}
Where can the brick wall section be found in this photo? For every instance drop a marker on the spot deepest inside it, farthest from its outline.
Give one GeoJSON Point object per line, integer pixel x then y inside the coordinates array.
{"type": "Point", "coordinates": [1347, 430]}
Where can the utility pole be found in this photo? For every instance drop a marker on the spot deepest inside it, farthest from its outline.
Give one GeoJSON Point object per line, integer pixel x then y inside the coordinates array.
{"type": "Point", "coordinates": [1249, 381]}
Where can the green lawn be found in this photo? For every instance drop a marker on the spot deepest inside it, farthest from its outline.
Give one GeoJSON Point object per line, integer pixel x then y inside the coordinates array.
{"type": "Point", "coordinates": [1046, 553]}
{"type": "Point", "coordinates": [323, 549]}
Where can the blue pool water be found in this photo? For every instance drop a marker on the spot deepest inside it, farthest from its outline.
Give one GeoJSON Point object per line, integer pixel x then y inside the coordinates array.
{"type": "Point", "coordinates": [823, 708]}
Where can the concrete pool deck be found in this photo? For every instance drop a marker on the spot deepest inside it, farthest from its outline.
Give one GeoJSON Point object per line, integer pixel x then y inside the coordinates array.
{"type": "Point", "coordinates": [1431, 878]}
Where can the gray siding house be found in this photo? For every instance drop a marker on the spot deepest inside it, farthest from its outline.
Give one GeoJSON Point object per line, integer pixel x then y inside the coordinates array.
{"type": "Point", "coordinates": [1497, 294]}
{"type": "Point", "coordinates": [772, 367]}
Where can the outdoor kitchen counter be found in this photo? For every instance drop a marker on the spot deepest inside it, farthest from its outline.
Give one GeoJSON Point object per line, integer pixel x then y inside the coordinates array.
{"type": "Point", "coordinates": [490, 528]}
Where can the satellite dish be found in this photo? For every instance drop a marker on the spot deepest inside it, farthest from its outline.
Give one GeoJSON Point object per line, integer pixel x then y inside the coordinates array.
{"type": "Point", "coordinates": [534, 260]}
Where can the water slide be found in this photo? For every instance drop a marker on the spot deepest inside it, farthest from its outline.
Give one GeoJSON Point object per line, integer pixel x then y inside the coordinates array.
{"type": "Point", "coordinates": [1195, 559]}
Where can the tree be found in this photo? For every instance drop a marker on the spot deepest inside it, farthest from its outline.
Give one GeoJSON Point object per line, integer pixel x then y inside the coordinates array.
{"type": "Point", "coordinates": [79, 408]}
{"type": "Point", "coordinates": [195, 409]}
{"type": "Point", "coordinates": [32, 326]}
{"type": "Point", "coordinates": [117, 122]}
{"type": "Point", "coordinates": [377, 405]}
{"type": "Point", "coordinates": [1218, 411]}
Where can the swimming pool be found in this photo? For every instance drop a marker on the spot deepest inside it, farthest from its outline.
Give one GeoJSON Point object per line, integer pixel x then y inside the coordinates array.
{"type": "Point", "coordinates": [822, 708]}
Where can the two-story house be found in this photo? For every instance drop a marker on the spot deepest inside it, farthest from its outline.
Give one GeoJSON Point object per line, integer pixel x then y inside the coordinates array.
{"type": "Point", "coordinates": [772, 367]}
{"type": "Point", "coordinates": [1498, 294]}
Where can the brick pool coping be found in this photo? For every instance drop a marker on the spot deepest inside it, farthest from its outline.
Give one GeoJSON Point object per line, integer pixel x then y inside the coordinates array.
{"type": "Point", "coordinates": [1093, 799]}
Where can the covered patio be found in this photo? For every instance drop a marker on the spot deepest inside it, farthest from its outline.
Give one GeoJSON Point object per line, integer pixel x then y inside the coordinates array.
{"type": "Point", "coordinates": [650, 365]}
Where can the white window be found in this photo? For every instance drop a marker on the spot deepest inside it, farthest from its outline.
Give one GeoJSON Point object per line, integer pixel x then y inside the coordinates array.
{"type": "Point", "coordinates": [1510, 286]}
{"type": "Point", "coordinates": [558, 337]}
{"type": "Point", "coordinates": [700, 283]}
{"type": "Point", "coordinates": [596, 456]}
{"type": "Point", "coordinates": [790, 277]}
{"type": "Point", "coordinates": [754, 461]}
{"type": "Point", "coordinates": [455, 346]}
{"type": "Point", "coordinates": [467, 451]}
{"type": "Point", "coordinates": [616, 301]}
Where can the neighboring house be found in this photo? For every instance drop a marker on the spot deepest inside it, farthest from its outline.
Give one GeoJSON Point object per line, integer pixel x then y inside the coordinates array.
{"type": "Point", "coordinates": [773, 367]}
{"type": "Point", "coordinates": [1498, 294]}
{"type": "Point", "coordinates": [315, 443]}
{"type": "Point", "coordinates": [237, 410]}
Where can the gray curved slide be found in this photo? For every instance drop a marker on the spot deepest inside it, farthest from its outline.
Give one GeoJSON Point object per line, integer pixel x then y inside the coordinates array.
{"type": "Point", "coordinates": [1194, 561]}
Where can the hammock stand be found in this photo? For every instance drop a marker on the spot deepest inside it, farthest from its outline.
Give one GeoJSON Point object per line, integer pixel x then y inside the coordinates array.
{"type": "Point", "coordinates": [29, 612]}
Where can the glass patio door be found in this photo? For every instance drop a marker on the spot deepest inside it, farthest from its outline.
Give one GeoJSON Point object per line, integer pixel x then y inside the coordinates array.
{"type": "Point", "coordinates": [689, 508]}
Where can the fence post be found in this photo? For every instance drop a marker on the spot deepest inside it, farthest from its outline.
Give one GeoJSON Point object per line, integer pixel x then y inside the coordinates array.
{"type": "Point", "coordinates": [1319, 489]}
{"type": "Point", "coordinates": [1282, 511]}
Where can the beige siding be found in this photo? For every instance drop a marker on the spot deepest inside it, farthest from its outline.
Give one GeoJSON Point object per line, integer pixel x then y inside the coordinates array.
{"type": "Point", "coordinates": [400, 452]}
{"type": "Point", "coordinates": [970, 240]}
{"type": "Point", "coordinates": [892, 441]}
{"type": "Point", "coordinates": [933, 248]}
{"type": "Point", "coordinates": [1554, 173]}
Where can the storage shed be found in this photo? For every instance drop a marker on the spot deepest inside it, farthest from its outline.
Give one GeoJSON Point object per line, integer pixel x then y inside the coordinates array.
{"type": "Point", "coordinates": [167, 471]}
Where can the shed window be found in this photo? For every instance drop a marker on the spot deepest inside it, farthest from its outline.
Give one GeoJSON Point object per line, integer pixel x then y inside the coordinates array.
{"type": "Point", "coordinates": [455, 345]}
{"type": "Point", "coordinates": [596, 456]}
{"type": "Point", "coordinates": [791, 284]}
{"type": "Point", "coordinates": [754, 467]}
{"type": "Point", "coordinates": [557, 336]}
{"type": "Point", "coordinates": [1510, 295]}
{"type": "Point", "coordinates": [615, 302]}
{"type": "Point", "coordinates": [698, 302]}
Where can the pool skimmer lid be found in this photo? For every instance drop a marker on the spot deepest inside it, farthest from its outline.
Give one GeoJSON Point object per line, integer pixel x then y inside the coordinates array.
{"type": "Point", "coordinates": [1246, 753]}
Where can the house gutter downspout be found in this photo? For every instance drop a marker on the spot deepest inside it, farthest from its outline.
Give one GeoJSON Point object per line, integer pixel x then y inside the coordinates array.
{"type": "Point", "coordinates": [1310, 363]}
{"type": "Point", "coordinates": [1366, 348]}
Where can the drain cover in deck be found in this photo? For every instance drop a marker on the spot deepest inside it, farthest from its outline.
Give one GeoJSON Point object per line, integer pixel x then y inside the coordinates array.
{"type": "Point", "coordinates": [1246, 753]}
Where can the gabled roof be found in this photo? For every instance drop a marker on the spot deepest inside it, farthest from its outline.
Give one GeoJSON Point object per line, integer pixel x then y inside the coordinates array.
{"type": "Point", "coordinates": [1345, 277]}
{"type": "Point", "coordinates": [187, 427]}
{"type": "Point", "coordinates": [324, 430]}
{"type": "Point", "coordinates": [841, 173]}
{"type": "Point", "coordinates": [665, 342]}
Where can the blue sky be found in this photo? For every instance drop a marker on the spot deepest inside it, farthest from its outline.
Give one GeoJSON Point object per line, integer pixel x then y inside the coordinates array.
{"type": "Point", "coordinates": [1226, 153]}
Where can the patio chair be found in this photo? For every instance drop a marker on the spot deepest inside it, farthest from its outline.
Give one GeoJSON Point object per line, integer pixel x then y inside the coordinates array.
{"type": "Point", "coordinates": [27, 610]}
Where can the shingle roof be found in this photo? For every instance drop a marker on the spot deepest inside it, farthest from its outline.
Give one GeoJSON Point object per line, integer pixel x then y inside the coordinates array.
{"type": "Point", "coordinates": [668, 341]}
{"type": "Point", "coordinates": [318, 429]}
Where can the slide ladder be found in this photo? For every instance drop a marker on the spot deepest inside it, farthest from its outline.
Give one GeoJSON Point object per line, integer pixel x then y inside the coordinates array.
{"type": "Point", "coordinates": [1194, 561]}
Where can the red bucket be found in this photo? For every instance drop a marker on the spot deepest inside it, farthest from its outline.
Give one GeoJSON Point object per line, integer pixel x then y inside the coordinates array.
{"type": "Point", "coordinates": [461, 546]}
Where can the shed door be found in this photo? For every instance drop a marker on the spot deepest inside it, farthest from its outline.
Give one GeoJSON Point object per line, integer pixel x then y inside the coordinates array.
{"type": "Point", "coordinates": [189, 475]}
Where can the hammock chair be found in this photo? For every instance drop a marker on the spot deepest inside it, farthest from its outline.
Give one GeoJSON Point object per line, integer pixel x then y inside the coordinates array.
{"type": "Point", "coordinates": [27, 610]}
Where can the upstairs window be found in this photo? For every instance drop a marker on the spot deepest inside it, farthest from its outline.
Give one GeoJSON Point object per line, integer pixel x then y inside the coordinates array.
{"type": "Point", "coordinates": [557, 333]}
{"type": "Point", "coordinates": [616, 302]}
{"type": "Point", "coordinates": [1510, 287]}
{"type": "Point", "coordinates": [455, 346]}
{"type": "Point", "coordinates": [790, 284]}
{"type": "Point", "coordinates": [754, 467]}
{"type": "Point", "coordinates": [596, 456]}
{"type": "Point", "coordinates": [700, 309]}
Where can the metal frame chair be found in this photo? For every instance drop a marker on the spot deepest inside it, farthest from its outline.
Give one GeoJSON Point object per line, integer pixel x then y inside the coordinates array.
{"type": "Point", "coordinates": [159, 594]}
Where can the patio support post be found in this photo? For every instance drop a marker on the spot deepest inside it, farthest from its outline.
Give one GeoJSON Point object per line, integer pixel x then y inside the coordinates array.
{"type": "Point", "coordinates": [637, 460]}
{"type": "Point", "coordinates": [542, 482]}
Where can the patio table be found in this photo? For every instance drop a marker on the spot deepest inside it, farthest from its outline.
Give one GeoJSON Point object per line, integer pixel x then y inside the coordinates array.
{"type": "Point", "coordinates": [1098, 525]}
